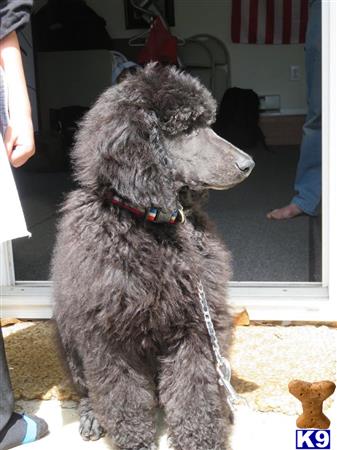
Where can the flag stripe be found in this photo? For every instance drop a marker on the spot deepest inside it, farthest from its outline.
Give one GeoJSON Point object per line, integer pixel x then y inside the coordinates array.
{"type": "Point", "coordinates": [304, 20]}
{"type": "Point", "coordinates": [286, 21]}
{"type": "Point", "coordinates": [245, 8]}
{"type": "Point", "coordinates": [261, 22]}
{"type": "Point", "coordinates": [278, 21]}
{"type": "Point", "coordinates": [252, 34]}
{"type": "Point", "coordinates": [295, 21]}
{"type": "Point", "coordinates": [270, 22]}
{"type": "Point", "coordinates": [236, 21]}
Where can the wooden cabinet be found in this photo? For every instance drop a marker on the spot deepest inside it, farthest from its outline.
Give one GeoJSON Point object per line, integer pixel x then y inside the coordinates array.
{"type": "Point", "coordinates": [282, 129]}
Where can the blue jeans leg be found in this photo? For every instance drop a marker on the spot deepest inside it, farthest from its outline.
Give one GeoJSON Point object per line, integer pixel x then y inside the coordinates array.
{"type": "Point", "coordinates": [308, 182]}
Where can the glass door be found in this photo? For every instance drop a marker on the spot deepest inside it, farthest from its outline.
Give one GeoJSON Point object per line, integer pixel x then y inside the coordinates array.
{"type": "Point", "coordinates": [274, 261]}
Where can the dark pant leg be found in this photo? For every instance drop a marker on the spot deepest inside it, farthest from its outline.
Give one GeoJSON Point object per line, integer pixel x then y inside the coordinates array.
{"type": "Point", "coordinates": [6, 392]}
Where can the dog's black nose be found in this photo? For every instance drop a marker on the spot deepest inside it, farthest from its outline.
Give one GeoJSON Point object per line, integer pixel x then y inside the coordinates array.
{"type": "Point", "coordinates": [245, 165]}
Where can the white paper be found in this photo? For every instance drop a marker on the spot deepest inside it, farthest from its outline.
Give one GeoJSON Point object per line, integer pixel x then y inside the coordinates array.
{"type": "Point", "coordinates": [12, 220]}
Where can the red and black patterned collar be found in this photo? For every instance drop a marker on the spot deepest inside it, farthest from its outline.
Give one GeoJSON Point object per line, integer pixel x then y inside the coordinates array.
{"type": "Point", "coordinates": [151, 214]}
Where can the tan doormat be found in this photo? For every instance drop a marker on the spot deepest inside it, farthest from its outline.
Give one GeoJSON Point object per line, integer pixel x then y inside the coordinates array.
{"type": "Point", "coordinates": [264, 360]}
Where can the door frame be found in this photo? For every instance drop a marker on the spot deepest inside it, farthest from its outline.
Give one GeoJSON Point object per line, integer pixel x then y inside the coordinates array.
{"type": "Point", "coordinates": [263, 300]}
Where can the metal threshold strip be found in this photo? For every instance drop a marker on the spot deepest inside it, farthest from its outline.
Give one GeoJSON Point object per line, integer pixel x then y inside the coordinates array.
{"type": "Point", "coordinates": [263, 300]}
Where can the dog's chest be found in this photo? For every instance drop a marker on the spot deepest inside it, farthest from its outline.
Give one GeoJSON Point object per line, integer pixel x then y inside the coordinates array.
{"type": "Point", "coordinates": [163, 274]}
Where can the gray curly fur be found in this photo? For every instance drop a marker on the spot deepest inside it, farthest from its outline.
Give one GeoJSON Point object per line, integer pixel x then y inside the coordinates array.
{"type": "Point", "coordinates": [125, 290]}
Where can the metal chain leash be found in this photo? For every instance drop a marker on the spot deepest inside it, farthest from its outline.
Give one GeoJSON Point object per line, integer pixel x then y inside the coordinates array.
{"type": "Point", "coordinates": [222, 364]}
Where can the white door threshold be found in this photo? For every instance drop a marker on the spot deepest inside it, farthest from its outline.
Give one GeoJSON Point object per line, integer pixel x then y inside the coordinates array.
{"type": "Point", "coordinates": [263, 301]}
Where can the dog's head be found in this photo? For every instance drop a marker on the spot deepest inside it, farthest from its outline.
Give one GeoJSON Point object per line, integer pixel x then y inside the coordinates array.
{"type": "Point", "coordinates": [149, 136]}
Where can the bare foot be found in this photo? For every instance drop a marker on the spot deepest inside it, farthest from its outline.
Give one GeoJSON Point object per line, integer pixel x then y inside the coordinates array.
{"type": "Point", "coordinates": [287, 212]}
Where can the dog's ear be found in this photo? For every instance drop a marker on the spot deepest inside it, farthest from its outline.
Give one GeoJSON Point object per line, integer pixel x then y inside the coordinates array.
{"type": "Point", "coordinates": [125, 153]}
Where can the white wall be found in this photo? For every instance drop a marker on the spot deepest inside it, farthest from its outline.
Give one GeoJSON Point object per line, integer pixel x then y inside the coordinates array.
{"type": "Point", "coordinates": [264, 68]}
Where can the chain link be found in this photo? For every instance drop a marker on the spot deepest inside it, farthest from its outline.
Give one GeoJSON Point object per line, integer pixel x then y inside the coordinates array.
{"type": "Point", "coordinates": [222, 364]}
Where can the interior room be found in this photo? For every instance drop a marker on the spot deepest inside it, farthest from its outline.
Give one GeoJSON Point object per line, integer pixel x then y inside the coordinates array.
{"type": "Point", "coordinates": [68, 70]}
{"type": "Point", "coordinates": [251, 55]}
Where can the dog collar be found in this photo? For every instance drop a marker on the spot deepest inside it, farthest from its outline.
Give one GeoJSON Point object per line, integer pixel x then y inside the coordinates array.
{"type": "Point", "coordinates": [151, 214]}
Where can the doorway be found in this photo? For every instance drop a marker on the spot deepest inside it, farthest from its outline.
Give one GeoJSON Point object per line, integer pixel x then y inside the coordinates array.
{"type": "Point", "coordinates": [263, 250]}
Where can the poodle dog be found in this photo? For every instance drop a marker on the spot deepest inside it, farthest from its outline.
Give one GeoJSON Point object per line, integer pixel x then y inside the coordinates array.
{"type": "Point", "coordinates": [132, 246]}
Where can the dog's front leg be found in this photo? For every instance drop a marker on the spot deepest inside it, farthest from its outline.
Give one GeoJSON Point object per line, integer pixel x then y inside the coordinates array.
{"type": "Point", "coordinates": [196, 411]}
{"type": "Point", "coordinates": [122, 395]}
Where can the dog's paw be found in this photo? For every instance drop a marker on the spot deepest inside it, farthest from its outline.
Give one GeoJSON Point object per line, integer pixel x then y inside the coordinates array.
{"type": "Point", "coordinates": [90, 429]}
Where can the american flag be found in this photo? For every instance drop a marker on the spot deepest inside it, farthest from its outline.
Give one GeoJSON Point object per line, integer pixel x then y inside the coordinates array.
{"type": "Point", "coordinates": [269, 21]}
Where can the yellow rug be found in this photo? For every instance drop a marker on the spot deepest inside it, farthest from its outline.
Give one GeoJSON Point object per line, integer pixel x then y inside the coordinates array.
{"type": "Point", "coordinates": [264, 360]}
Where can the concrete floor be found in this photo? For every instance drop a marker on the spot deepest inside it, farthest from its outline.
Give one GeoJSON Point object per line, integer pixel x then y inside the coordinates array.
{"type": "Point", "coordinates": [253, 430]}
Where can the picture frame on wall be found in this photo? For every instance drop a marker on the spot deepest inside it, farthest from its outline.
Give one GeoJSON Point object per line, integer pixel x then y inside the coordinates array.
{"type": "Point", "coordinates": [134, 19]}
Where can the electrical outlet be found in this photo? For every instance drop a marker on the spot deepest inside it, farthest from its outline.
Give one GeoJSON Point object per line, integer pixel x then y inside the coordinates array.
{"type": "Point", "coordinates": [295, 73]}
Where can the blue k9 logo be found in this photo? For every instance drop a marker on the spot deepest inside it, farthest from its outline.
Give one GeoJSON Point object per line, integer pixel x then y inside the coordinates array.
{"type": "Point", "coordinates": [312, 439]}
